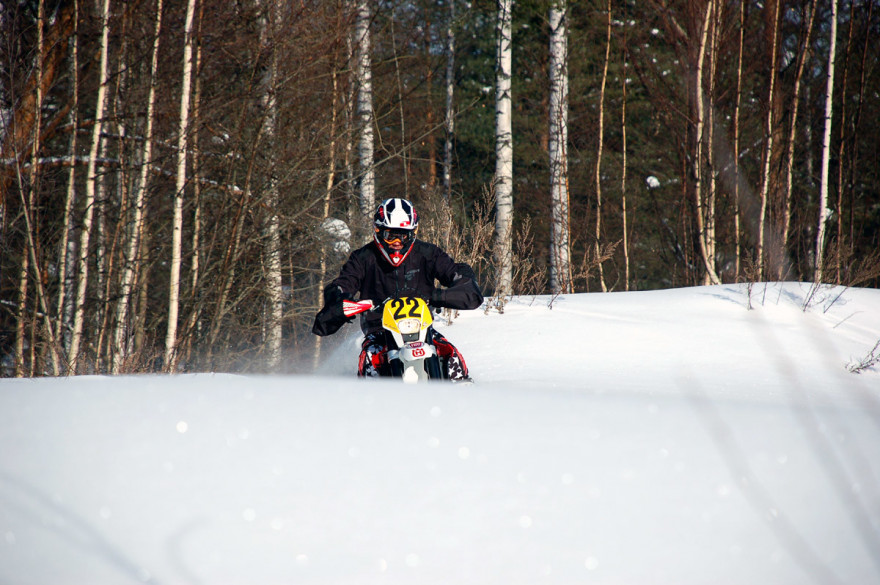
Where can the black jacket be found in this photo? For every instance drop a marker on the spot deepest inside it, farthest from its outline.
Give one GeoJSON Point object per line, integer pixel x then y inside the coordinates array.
{"type": "Point", "coordinates": [368, 273]}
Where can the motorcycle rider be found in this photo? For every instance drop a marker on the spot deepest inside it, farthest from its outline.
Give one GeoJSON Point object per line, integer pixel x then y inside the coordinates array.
{"type": "Point", "coordinates": [396, 264]}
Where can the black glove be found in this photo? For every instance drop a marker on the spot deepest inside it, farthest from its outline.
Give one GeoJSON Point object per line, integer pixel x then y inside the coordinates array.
{"type": "Point", "coordinates": [334, 294]}
{"type": "Point", "coordinates": [333, 298]}
{"type": "Point", "coordinates": [462, 294]}
{"type": "Point", "coordinates": [436, 299]}
{"type": "Point", "coordinates": [331, 317]}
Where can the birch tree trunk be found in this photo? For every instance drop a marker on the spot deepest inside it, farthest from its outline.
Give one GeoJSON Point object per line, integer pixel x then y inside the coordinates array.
{"type": "Point", "coordinates": [737, 218]}
{"type": "Point", "coordinates": [177, 226]}
{"type": "Point", "coordinates": [91, 178]}
{"type": "Point", "coordinates": [28, 206]}
{"type": "Point", "coordinates": [792, 131]}
{"type": "Point", "coordinates": [600, 148]}
{"type": "Point", "coordinates": [363, 75]}
{"type": "Point", "coordinates": [768, 147]}
{"type": "Point", "coordinates": [623, 202]}
{"type": "Point", "coordinates": [38, 126]}
{"type": "Point", "coordinates": [701, 209]}
{"type": "Point", "coordinates": [108, 256]}
{"type": "Point", "coordinates": [560, 260]}
{"type": "Point", "coordinates": [272, 222]}
{"type": "Point", "coordinates": [67, 247]}
{"type": "Point", "coordinates": [450, 102]}
{"type": "Point", "coordinates": [194, 323]}
{"type": "Point", "coordinates": [28, 202]}
{"type": "Point", "coordinates": [42, 300]}
{"type": "Point", "coordinates": [99, 309]}
{"type": "Point", "coordinates": [349, 98]}
{"type": "Point", "coordinates": [21, 316]}
{"type": "Point", "coordinates": [824, 211]}
{"type": "Point", "coordinates": [331, 179]}
{"type": "Point", "coordinates": [132, 252]}
{"type": "Point", "coordinates": [712, 191]}
{"type": "Point", "coordinates": [504, 152]}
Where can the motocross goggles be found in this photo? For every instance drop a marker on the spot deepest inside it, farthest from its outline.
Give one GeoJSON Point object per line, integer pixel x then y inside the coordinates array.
{"type": "Point", "coordinates": [391, 235]}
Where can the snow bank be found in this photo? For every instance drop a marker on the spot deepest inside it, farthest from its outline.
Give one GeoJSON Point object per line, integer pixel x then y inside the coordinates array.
{"type": "Point", "coordinates": [652, 437]}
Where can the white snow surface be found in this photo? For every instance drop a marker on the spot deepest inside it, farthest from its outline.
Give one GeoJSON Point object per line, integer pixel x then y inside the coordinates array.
{"type": "Point", "coordinates": [666, 437]}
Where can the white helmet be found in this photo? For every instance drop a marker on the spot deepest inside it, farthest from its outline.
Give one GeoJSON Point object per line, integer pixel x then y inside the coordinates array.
{"type": "Point", "coordinates": [395, 222]}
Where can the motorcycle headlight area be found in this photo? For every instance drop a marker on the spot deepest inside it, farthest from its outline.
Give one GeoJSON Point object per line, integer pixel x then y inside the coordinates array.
{"type": "Point", "coordinates": [409, 326]}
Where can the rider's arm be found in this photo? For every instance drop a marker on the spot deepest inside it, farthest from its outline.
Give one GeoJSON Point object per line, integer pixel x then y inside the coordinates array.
{"type": "Point", "coordinates": [462, 290]}
{"type": "Point", "coordinates": [351, 275]}
{"type": "Point", "coordinates": [332, 316]}
{"type": "Point", "coordinates": [345, 286]}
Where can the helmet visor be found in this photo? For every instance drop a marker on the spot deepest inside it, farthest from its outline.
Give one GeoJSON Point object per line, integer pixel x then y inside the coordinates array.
{"type": "Point", "coordinates": [390, 236]}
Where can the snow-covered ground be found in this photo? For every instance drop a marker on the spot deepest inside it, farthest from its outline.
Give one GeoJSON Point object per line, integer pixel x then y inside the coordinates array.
{"type": "Point", "coordinates": [666, 437]}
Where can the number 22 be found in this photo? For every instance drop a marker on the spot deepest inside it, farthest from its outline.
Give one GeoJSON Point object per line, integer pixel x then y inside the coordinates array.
{"type": "Point", "coordinates": [399, 304]}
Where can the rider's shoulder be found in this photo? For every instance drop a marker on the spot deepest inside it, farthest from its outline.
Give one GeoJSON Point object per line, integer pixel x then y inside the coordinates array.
{"type": "Point", "coordinates": [426, 248]}
{"type": "Point", "coordinates": [364, 253]}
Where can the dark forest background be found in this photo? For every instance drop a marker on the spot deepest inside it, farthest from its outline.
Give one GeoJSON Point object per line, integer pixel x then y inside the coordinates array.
{"type": "Point", "coordinates": [762, 114]}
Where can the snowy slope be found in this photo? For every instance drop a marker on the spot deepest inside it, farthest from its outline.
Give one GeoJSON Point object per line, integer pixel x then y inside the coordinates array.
{"type": "Point", "coordinates": [666, 437]}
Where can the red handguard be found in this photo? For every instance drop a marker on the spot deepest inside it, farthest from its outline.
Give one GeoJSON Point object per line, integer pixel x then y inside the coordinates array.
{"type": "Point", "coordinates": [352, 308]}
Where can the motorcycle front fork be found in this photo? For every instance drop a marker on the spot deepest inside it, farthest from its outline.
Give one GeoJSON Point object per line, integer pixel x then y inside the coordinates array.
{"type": "Point", "coordinates": [433, 368]}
